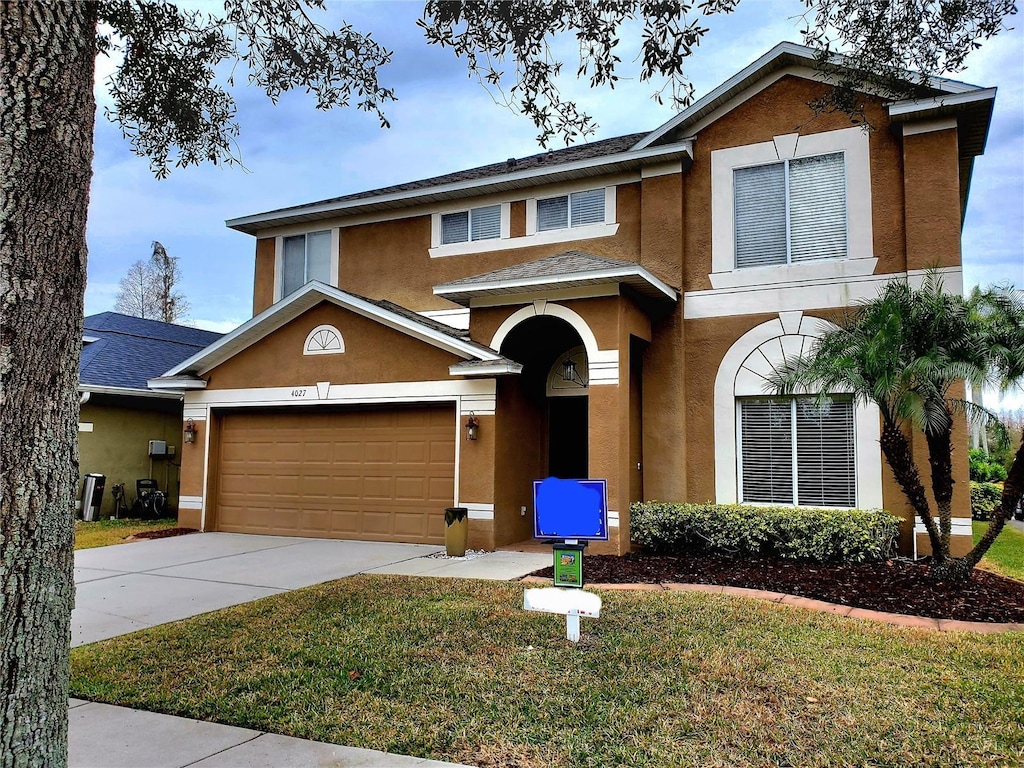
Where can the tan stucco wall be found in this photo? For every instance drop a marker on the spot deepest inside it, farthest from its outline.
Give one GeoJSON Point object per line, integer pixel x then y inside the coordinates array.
{"type": "Point", "coordinates": [932, 191]}
{"type": "Point", "coordinates": [778, 110]}
{"type": "Point", "coordinates": [373, 353]}
{"type": "Point", "coordinates": [263, 276]}
{"type": "Point", "coordinates": [118, 447]}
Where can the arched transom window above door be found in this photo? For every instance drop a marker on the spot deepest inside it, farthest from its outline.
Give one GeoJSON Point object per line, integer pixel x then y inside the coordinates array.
{"type": "Point", "coordinates": [570, 374]}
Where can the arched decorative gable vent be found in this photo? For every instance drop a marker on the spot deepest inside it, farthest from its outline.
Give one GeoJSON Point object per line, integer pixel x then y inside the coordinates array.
{"type": "Point", "coordinates": [324, 340]}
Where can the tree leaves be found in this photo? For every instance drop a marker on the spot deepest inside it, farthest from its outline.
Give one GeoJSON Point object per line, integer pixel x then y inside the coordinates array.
{"type": "Point", "coordinates": [167, 98]}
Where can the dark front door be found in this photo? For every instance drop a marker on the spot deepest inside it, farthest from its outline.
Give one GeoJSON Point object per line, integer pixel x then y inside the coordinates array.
{"type": "Point", "coordinates": [567, 437]}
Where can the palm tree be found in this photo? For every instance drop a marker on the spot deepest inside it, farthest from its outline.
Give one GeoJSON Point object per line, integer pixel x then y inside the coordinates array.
{"type": "Point", "coordinates": [910, 351]}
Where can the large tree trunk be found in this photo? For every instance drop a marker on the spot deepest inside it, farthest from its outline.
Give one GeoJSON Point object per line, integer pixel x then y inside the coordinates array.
{"type": "Point", "coordinates": [47, 109]}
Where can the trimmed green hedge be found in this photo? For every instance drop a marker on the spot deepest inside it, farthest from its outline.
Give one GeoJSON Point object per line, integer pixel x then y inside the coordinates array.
{"type": "Point", "coordinates": [822, 535]}
{"type": "Point", "coordinates": [985, 498]}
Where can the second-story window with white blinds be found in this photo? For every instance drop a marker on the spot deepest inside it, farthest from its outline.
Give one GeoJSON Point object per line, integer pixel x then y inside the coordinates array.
{"type": "Point", "coordinates": [475, 224]}
{"type": "Point", "coordinates": [790, 212]}
{"type": "Point", "coordinates": [573, 210]}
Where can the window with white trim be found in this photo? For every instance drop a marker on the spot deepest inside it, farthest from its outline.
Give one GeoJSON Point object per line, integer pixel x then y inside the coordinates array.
{"type": "Point", "coordinates": [794, 451]}
{"type": "Point", "coordinates": [573, 210]}
{"type": "Point", "coordinates": [791, 212]}
{"type": "Point", "coordinates": [475, 224]}
{"type": "Point", "coordinates": [305, 258]}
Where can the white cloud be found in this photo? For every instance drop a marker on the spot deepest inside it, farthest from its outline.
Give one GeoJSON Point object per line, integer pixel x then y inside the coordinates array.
{"type": "Point", "coordinates": [217, 326]}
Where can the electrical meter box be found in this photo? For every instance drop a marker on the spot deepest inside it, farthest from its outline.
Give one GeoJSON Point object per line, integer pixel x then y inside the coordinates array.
{"type": "Point", "coordinates": [157, 447]}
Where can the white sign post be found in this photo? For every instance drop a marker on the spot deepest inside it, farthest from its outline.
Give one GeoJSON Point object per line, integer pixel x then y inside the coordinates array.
{"type": "Point", "coordinates": [571, 602]}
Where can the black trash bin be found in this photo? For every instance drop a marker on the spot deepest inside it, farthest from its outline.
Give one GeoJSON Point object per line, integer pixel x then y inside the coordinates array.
{"type": "Point", "coordinates": [92, 495]}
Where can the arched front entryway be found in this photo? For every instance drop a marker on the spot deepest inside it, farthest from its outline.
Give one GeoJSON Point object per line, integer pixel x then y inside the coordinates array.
{"type": "Point", "coordinates": [551, 405]}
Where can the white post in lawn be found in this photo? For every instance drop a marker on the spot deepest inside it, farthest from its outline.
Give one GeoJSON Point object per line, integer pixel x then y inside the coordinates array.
{"type": "Point", "coordinates": [571, 602]}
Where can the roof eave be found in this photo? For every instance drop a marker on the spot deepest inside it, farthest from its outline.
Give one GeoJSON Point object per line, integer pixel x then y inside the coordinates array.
{"type": "Point", "coordinates": [497, 368]}
{"type": "Point", "coordinates": [126, 391]}
{"type": "Point", "coordinates": [176, 383]}
{"type": "Point", "coordinates": [637, 277]}
{"type": "Point", "coordinates": [303, 299]}
{"type": "Point", "coordinates": [595, 166]}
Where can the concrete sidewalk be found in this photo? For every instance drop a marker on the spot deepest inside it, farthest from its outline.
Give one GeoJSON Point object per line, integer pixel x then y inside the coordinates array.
{"type": "Point", "coordinates": [127, 587]}
{"type": "Point", "coordinates": [102, 736]}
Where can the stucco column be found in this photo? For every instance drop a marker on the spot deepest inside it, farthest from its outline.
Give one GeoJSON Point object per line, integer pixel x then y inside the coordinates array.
{"type": "Point", "coordinates": [606, 462]}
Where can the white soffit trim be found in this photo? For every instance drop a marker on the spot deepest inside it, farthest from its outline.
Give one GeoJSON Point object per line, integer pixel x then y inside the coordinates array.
{"type": "Point", "coordinates": [593, 166]}
{"type": "Point", "coordinates": [802, 294]}
{"type": "Point", "coordinates": [129, 391]}
{"type": "Point", "coordinates": [657, 287]}
{"type": "Point", "coordinates": [305, 298]}
{"type": "Point", "coordinates": [929, 126]}
{"type": "Point", "coordinates": [499, 368]}
{"type": "Point", "coordinates": [179, 383]}
{"type": "Point", "coordinates": [903, 110]}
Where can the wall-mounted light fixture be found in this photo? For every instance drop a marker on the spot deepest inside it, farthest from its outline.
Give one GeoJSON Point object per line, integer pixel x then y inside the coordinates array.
{"type": "Point", "coordinates": [190, 431]}
{"type": "Point", "coordinates": [570, 374]}
{"type": "Point", "coordinates": [472, 427]}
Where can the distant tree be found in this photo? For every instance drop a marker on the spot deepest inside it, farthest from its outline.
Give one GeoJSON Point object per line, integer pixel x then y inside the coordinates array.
{"type": "Point", "coordinates": [172, 306]}
{"type": "Point", "coordinates": [135, 294]}
{"type": "Point", "coordinates": [173, 110]}
{"type": "Point", "coordinates": [149, 290]}
{"type": "Point", "coordinates": [908, 351]}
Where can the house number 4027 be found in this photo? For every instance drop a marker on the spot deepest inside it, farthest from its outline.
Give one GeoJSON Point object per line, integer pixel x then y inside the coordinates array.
{"type": "Point", "coordinates": [298, 393]}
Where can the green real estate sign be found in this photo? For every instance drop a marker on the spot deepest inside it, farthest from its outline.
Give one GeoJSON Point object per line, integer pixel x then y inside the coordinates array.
{"type": "Point", "coordinates": [568, 565]}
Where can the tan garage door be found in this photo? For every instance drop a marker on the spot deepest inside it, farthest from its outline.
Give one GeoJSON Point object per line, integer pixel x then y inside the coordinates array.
{"type": "Point", "coordinates": [381, 474]}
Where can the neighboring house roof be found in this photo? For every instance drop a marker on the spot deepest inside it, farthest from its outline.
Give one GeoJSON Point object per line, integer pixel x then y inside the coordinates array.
{"type": "Point", "coordinates": [970, 104]}
{"type": "Point", "coordinates": [572, 269]}
{"type": "Point", "coordinates": [121, 352]}
{"type": "Point", "coordinates": [186, 374]}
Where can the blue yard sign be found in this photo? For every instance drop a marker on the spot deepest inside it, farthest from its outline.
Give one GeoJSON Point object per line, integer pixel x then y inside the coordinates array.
{"type": "Point", "coordinates": [570, 509]}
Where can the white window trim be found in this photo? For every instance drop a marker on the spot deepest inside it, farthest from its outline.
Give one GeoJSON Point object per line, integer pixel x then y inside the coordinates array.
{"type": "Point", "coordinates": [470, 246]}
{"type": "Point", "coordinates": [575, 232]}
{"type": "Point", "coordinates": [796, 464]}
{"type": "Point", "coordinates": [733, 381]}
{"type": "Point", "coordinates": [279, 258]}
{"type": "Point", "coordinates": [853, 142]}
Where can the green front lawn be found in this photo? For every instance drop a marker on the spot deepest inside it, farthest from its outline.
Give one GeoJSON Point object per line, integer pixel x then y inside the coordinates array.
{"type": "Point", "coordinates": [457, 670]}
{"type": "Point", "coordinates": [102, 533]}
{"type": "Point", "coordinates": [1006, 557]}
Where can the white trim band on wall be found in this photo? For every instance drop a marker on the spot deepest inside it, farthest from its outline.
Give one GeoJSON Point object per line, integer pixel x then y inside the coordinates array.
{"type": "Point", "coordinates": [613, 518]}
{"type": "Point", "coordinates": [190, 502]}
{"type": "Point", "coordinates": [479, 511]}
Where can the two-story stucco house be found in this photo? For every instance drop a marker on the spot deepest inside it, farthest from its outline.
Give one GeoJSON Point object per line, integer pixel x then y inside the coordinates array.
{"type": "Point", "coordinates": [606, 311]}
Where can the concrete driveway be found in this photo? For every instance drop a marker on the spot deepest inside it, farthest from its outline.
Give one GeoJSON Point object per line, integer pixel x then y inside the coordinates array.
{"type": "Point", "coordinates": [128, 587]}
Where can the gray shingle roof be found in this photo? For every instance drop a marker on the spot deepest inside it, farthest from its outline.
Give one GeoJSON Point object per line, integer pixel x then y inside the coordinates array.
{"type": "Point", "coordinates": [568, 263]}
{"type": "Point", "coordinates": [130, 350]}
{"type": "Point", "coordinates": [544, 159]}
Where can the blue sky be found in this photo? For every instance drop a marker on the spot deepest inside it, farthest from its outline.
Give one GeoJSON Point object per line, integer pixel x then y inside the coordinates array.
{"type": "Point", "coordinates": [444, 121]}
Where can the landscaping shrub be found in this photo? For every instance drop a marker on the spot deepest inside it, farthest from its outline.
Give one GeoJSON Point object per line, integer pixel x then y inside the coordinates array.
{"type": "Point", "coordinates": [984, 468]}
{"type": "Point", "coordinates": [822, 535]}
{"type": "Point", "coordinates": [985, 498]}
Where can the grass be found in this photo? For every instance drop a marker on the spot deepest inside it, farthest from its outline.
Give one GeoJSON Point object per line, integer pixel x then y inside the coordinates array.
{"type": "Point", "coordinates": [103, 533]}
{"type": "Point", "coordinates": [456, 670]}
{"type": "Point", "coordinates": [1006, 557]}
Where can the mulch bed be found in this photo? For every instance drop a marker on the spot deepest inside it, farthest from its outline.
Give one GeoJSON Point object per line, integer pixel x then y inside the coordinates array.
{"type": "Point", "coordinates": [162, 533]}
{"type": "Point", "coordinates": [895, 586]}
